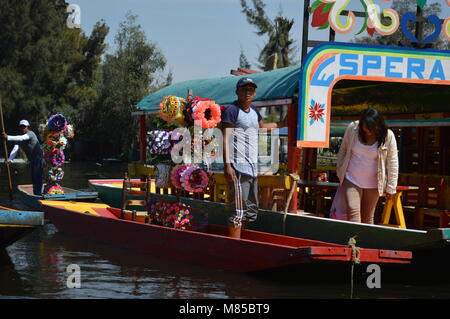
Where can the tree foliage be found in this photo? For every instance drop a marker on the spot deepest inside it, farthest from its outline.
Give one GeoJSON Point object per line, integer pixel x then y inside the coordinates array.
{"type": "Point", "coordinates": [279, 43]}
{"type": "Point", "coordinates": [125, 77]}
{"type": "Point", "coordinates": [47, 68]}
{"type": "Point", "coordinates": [243, 61]}
{"type": "Point", "coordinates": [44, 66]}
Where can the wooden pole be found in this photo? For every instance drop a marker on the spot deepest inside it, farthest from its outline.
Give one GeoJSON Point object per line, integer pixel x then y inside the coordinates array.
{"type": "Point", "coordinates": [305, 33]}
{"type": "Point", "coordinates": [5, 148]}
{"type": "Point", "coordinates": [294, 153]}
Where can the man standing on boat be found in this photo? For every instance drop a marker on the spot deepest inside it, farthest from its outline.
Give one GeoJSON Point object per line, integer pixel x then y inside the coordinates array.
{"type": "Point", "coordinates": [241, 121]}
{"type": "Point", "coordinates": [29, 143]}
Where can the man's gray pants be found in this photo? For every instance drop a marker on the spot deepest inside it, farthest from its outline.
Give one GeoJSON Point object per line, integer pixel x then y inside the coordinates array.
{"type": "Point", "coordinates": [243, 198]}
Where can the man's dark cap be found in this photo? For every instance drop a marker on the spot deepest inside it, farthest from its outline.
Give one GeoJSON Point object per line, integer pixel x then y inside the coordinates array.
{"type": "Point", "coordinates": [245, 81]}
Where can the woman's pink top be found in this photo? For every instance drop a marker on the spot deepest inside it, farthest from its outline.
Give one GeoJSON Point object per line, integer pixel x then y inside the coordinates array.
{"type": "Point", "coordinates": [363, 166]}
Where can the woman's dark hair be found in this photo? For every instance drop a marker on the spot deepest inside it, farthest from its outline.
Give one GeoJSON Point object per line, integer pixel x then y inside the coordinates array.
{"type": "Point", "coordinates": [374, 121]}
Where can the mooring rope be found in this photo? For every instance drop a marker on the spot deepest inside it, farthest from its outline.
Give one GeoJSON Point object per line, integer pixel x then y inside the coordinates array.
{"type": "Point", "coordinates": [295, 178]}
{"type": "Point", "coordinates": [356, 251]}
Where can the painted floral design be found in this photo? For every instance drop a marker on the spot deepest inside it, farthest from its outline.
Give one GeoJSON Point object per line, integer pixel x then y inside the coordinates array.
{"type": "Point", "coordinates": [316, 112]}
{"type": "Point", "coordinates": [321, 19]}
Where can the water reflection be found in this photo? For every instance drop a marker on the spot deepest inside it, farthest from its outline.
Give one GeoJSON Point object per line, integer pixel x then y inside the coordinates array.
{"type": "Point", "coordinates": [11, 282]}
{"type": "Point", "coordinates": [108, 272]}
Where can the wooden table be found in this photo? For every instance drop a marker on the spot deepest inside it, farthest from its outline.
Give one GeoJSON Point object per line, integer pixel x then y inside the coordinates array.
{"type": "Point", "coordinates": [393, 203]}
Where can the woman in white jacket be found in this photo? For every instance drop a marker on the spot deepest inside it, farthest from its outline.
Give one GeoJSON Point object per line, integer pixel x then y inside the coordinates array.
{"type": "Point", "coordinates": [367, 167]}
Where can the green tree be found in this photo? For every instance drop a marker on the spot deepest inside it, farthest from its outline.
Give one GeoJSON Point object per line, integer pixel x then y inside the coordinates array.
{"type": "Point", "coordinates": [45, 67]}
{"type": "Point", "coordinates": [126, 76]}
{"type": "Point", "coordinates": [243, 61]}
{"type": "Point", "coordinates": [398, 38]}
{"type": "Point", "coordinates": [278, 52]}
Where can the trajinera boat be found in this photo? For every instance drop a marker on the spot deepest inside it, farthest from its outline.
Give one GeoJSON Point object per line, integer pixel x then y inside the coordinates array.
{"type": "Point", "coordinates": [433, 243]}
{"type": "Point", "coordinates": [28, 198]}
{"type": "Point", "coordinates": [208, 245]}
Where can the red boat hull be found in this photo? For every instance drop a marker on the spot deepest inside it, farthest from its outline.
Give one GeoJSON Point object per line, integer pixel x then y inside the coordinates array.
{"type": "Point", "coordinates": [254, 251]}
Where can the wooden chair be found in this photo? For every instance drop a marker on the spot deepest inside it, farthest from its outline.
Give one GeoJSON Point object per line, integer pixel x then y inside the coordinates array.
{"type": "Point", "coordinates": [278, 199]}
{"type": "Point", "coordinates": [411, 199]}
{"type": "Point", "coordinates": [432, 203]}
{"type": "Point", "coordinates": [318, 200]}
{"type": "Point", "coordinates": [136, 198]}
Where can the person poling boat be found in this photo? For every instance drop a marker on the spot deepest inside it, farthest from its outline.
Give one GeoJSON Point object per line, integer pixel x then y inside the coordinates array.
{"type": "Point", "coordinates": [29, 142]}
{"type": "Point", "coordinates": [241, 121]}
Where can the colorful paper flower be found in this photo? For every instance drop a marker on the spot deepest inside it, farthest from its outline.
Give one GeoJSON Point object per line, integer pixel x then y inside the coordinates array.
{"type": "Point", "coordinates": [176, 175]}
{"type": "Point", "coordinates": [57, 123]}
{"type": "Point", "coordinates": [69, 132]}
{"type": "Point", "coordinates": [168, 214]}
{"type": "Point", "coordinates": [171, 109]}
{"type": "Point", "coordinates": [194, 179]}
{"type": "Point", "coordinates": [54, 157]}
{"type": "Point", "coordinates": [55, 174]}
{"type": "Point", "coordinates": [55, 189]}
{"type": "Point", "coordinates": [159, 142]}
{"type": "Point", "coordinates": [207, 113]}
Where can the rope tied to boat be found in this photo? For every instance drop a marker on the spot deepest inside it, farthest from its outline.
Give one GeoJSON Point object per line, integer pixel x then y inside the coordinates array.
{"type": "Point", "coordinates": [356, 251]}
{"type": "Point", "coordinates": [295, 178]}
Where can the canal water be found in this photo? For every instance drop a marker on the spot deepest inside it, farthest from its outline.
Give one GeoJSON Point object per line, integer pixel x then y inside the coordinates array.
{"type": "Point", "coordinates": [37, 265]}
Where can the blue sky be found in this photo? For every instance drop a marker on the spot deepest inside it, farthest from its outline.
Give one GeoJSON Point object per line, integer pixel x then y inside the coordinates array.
{"type": "Point", "coordinates": [200, 38]}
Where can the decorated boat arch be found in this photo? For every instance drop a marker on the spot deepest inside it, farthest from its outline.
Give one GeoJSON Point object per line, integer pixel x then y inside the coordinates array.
{"type": "Point", "coordinates": [329, 63]}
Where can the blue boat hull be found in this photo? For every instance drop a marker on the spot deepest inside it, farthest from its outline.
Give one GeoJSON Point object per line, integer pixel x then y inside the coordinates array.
{"type": "Point", "coordinates": [16, 224]}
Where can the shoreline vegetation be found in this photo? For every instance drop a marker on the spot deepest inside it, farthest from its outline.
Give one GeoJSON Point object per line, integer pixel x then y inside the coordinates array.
{"type": "Point", "coordinates": [49, 68]}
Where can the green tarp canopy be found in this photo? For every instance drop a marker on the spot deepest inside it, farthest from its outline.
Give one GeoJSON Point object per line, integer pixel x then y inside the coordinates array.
{"type": "Point", "coordinates": [272, 85]}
